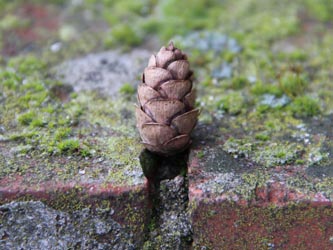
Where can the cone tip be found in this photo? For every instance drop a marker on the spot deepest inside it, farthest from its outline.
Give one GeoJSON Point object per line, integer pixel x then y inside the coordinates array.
{"type": "Point", "coordinates": [171, 46]}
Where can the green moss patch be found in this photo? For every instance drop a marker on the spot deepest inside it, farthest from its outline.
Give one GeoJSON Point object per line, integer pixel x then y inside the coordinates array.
{"type": "Point", "coordinates": [46, 134]}
{"type": "Point", "coordinates": [305, 106]}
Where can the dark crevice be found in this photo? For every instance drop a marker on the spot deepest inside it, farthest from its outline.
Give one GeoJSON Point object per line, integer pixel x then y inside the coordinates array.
{"type": "Point", "coordinates": [169, 226]}
{"type": "Point", "coordinates": [156, 167]}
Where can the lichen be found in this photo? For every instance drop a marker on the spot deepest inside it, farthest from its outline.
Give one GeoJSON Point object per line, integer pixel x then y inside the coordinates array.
{"type": "Point", "coordinates": [277, 154]}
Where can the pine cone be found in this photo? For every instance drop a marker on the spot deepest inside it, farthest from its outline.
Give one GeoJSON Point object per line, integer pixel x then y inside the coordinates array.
{"type": "Point", "coordinates": [166, 114]}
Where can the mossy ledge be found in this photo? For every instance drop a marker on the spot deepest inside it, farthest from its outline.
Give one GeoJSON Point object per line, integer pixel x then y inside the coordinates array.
{"type": "Point", "coordinates": [130, 207]}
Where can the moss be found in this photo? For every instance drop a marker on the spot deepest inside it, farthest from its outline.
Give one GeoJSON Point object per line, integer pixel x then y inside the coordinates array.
{"type": "Point", "coordinates": [27, 65]}
{"type": "Point", "coordinates": [10, 21]}
{"type": "Point", "coordinates": [22, 149]}
{"type": "Point", "coordinates": [264, 152]}
{"type": "Point", "coordinates": [304, 106]}
{"type": "Point", "coordinates": [69, 201]}
{"type": "Point", "coordinates": [299, 161]}
{"type": "Point", "coordinates": [47, 120]}
{"type": "Point", "coordinates": [37, 122]}
{"type": "Point", "coordinates": [321, 9]}
{"type": "Point", "coordinates": [300, 184]}
{"type": "Point", "coordinates": [151, 26]}
{"type": "Point", "coordinates": [207, 82]}
{"type": "Point", "coordinates": [233, 103]}
{"type": "Point", "coordinates": [239, 147]}
{"type": "Point", "coordinates": [262, 136]}
{"type": "Point", "coordinates": [124, 153]}
{"type": "Point", "coordinates": [294, 56]}
{"type": "Point", "coordinates": [148, 245]}
{"type": "Point", "coordinates": [181, 17]}
{"type": "Point", "coordinates": [22, 136]}
{"type": "Point", "coordinates": [239, 82]}
{"type": "Point", "coordinates": [316, 155]}
{"type": "Point", "coordinates": [69, 146]}
{"type": "Point", "coordinates": [249, 183]}
{"type": "Point", "coordinates": [27, 118]}
{"type": "Point", "coordinates": [138, 8]}
{"type": "Point", "coordinates": [127, 89]}
{"type": "Point", "coordinates": [53, 128]}
{"type": "Point", "coordinates": [260, 88]}
{"type": "Point", "coordinates": [123, 34]}
{"type": "Point", "coordinates": [325, 186]}
{"type": "Point", "coordinates": [62, 133]}
{"type": "Point", "coordinates": [9, 80]}
{"type": "Point", "coordinates": [277, 154]}
{"type": "Point", "coordinates": [293, 84]}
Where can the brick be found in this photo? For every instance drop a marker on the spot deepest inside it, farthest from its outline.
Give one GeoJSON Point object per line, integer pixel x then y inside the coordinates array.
{"type": "Point", "coordinates": [129, 203]}
{"type": "Point", "coordinates": [246, 206]}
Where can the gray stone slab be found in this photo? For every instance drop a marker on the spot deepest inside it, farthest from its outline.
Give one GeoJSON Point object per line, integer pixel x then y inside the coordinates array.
{"type": "Point", "coordinates": [33, 225]}
{"type": "Point", "coordinates": [105, 71]}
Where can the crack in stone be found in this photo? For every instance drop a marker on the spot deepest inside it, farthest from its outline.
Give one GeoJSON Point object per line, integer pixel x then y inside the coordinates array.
{"type": "Point", "coordinates": [170, 226]}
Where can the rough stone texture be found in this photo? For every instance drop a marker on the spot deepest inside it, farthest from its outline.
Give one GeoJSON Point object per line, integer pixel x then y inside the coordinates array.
{"type": "Point", "coordinates": [108, 179]}
{"type": "Point", "coordinates": [129, 200]}
{"type": "Point", "coordinates": [106, 71]}
{"type": "Point", "coordinates": [170, 226]}
{"type": "Point", "coordinates": [261, 177]}
{"type": "Point", "coordinates": [129, 205]}
{"type": "Point", "coordinates": [32, 225]}
{"type": "Point", "coordinates": [237, 204]}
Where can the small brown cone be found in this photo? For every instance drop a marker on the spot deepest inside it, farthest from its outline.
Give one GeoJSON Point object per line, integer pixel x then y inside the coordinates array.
{"type": "Point", "coordinates": [165, 114]}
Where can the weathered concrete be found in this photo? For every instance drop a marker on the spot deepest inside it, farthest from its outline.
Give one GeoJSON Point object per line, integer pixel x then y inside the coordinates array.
{"type": "Point", "coordinates": [33, 225]}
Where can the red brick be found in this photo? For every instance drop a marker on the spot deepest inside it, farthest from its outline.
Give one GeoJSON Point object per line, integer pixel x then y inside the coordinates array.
{"type": "Point", "coordinates": [130, 204]}
{"type": "Point", "coordinates": [229, 213]}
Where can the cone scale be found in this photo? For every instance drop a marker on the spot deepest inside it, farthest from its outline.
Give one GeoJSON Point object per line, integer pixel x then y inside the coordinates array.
{"type": "Point", "coordinates": [165, 112]}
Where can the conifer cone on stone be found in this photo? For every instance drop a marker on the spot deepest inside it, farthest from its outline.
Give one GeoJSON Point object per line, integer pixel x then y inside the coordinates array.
{"type": "Point", "coordinates": [165, 113]}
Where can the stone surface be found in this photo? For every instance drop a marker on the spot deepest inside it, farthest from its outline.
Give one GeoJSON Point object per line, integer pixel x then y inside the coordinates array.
{"type": "Point", "coordinates": [33, 225]}
{"type": "Point", "coordinates": [128, 200]}
{"type": "Point", "coordinates": [95, 164]}
{"type": "Point", "coordinates": [240, 204]}
{"type": "Point", "coordinates": [106, 71]}
{"type": "Point", "coordinates": [130, 205]}
{"type": "Point", "coordinates": [261, 169]}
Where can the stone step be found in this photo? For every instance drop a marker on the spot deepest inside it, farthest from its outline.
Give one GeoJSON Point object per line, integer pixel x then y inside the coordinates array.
{"type": "Point", "coordinates": [108, 215]}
